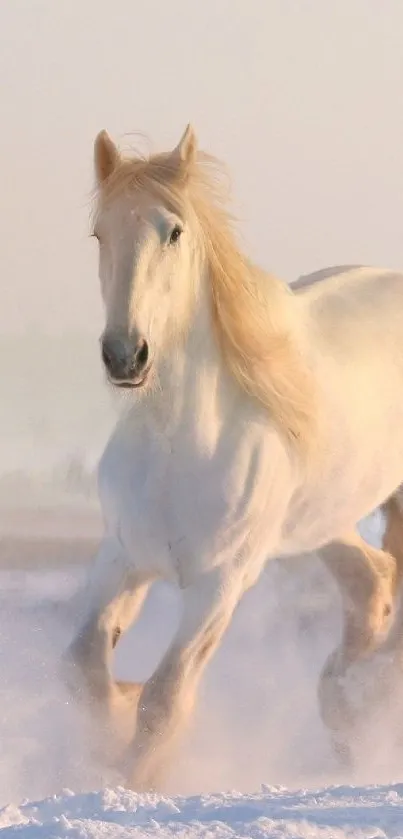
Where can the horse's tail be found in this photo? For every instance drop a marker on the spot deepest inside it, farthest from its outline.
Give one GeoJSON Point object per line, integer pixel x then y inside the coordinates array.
{"type": "Point", "coordinates": [393, 537]}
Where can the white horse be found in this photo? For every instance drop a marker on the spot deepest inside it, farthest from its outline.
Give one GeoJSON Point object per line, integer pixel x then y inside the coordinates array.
{"type": "Point", "coordinates": [262, 422]}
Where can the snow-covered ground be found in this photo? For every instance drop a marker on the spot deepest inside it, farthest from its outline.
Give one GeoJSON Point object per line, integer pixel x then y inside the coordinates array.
{"type": "Point", "coordinates": [333, 813]}
{"type": "Point", "coordinates": [257, 730]}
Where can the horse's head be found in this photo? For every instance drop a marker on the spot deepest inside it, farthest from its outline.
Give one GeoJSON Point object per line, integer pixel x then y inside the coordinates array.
{"type": "Point", "coordinates": [146, 254]}
{"type": "Point", "coordinates": [165, 235]}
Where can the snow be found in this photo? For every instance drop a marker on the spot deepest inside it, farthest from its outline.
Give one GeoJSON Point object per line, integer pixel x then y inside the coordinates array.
{"type": "Point", "coordinates": [274, 812]}
{"type": "Point", "coordinates": [256, 731]}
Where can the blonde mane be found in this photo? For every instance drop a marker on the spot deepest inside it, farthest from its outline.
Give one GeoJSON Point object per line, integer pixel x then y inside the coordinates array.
{"type": "Point", "coordinates": [252, 311]}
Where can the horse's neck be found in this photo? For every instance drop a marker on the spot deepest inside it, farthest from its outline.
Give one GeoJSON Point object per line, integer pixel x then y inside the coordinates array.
{"type": "Point", "coordinates": [194, 384]}
{"type": "Point", "coordinates": [194, 391]}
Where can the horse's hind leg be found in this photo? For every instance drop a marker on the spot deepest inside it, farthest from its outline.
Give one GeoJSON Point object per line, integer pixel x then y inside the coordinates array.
{"type": "Point", "coordinates": [111, 601]}
{"type": "Point", "coordinates": [393, 543]}
{"type": "Point", "coordinates": [393, 536]}
{"type": "Point", "coordinates": [366, 578]}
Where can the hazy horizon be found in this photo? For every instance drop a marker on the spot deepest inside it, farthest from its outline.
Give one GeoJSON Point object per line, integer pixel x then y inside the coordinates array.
{"type": "Point", "coordinates": [302, 101]}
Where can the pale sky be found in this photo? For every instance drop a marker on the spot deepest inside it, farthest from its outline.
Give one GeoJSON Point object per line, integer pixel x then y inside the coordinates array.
{"type": "Point", "coordinates": [303, 99]}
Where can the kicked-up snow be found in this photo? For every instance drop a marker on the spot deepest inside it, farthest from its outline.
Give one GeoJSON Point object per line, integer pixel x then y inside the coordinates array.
{"type": "Point", "coordinates": [256, 730]}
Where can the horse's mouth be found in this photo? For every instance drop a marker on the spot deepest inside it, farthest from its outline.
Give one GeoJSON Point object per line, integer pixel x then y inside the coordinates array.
{"type": "Point", "coordinates": [131, 384]}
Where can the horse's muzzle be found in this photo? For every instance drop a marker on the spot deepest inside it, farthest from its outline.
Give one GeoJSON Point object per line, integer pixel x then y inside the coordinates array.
{"type": "Point", "coordinates": [127, 365]}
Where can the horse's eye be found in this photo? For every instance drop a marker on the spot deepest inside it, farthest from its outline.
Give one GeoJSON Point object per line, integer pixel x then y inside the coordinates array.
{"type": "Point", "coordinates": [175, 234]}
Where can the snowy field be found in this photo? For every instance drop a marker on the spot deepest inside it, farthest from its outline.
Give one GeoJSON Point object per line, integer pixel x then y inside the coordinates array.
{"type": "Point", "coordinates": [333, 813]}
{"type": "Point", "coordinates": [256, 736]}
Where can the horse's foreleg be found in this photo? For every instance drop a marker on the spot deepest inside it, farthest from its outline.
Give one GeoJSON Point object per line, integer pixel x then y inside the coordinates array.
{"type": "Point", "coordinates": [129, 608]}
{"type": "Point", "coordinates": [112, 599]}
{"type": "Point", "coordinates": [167, 699]}
{"type": "Point", "coordinates": [366, 578]}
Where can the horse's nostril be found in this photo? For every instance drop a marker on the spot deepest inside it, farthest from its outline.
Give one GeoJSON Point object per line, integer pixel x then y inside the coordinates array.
{"type": "Point", "coordinates": [113, 354]}
{"type": "Point", "coordinates": [106, 357]}
{"type": "Point", "coordinates": [123, 360]}
{"type": "Point", "coordinates": [142, 354]}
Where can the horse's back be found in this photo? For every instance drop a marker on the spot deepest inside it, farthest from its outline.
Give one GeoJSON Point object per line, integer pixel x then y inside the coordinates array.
{"type": "Point", "coordinates": [351, 282]}
{"type": "Point", "coordinates": [306, 280]}
{"type": "Point", "coordinates": [354, 305]}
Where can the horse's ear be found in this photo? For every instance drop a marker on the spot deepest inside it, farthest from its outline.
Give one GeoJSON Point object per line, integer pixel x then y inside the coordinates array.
{"type": "Point", "coordinates": [186, 150]}
{"type": "Point", "coordinates": [106, 156]}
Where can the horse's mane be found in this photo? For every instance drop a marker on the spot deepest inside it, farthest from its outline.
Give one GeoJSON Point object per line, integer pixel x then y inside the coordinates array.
{"type": "Point", "coordinates": [252, 311]}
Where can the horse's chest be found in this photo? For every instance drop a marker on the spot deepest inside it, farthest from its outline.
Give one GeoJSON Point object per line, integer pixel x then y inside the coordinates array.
{"type": "Point", "coordinates": [177, 510]}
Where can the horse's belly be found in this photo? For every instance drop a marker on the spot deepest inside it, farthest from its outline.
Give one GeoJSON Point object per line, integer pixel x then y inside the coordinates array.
{"type": "Point", "coordinates": [352, 487]}
{"type": "Point", "coordinates": [360, 446]}
{"type": "Point", "coordinates": [315, 521]}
